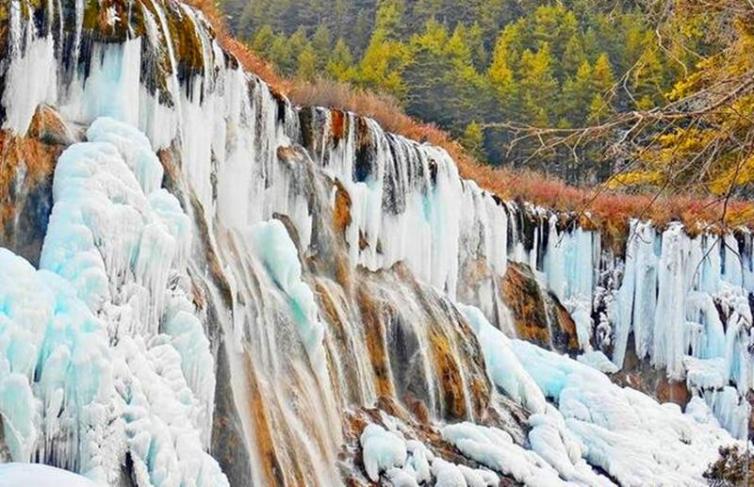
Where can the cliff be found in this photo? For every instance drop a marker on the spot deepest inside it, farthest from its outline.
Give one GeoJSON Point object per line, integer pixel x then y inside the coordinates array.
{"type": "Point", "coordinates": [205, 285]}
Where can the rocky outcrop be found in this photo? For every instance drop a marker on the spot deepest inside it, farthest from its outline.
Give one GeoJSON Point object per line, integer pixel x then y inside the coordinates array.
{"type": "Point", "coordinates": [527, 304]}
{"type": "Point", "coordinates": [28, 163]}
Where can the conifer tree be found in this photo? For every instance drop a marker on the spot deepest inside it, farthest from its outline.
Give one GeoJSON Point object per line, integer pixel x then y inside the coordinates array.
{"type": "Point", "coordinates": [340, 65]}
{"type": "Point", "coordinates": [307, 63]}
{"type": "Point", "coordinates": [577, 95]}
{"type": "Point", "coordinates": [501, 71]}
{"type": "Point", "coordinates": [473, 139]}
{"type": "Point", "coordinates": [463, 64]}
{"type": "Point", "coordinates": [263, 40]}
{"type": "Point", "coordinates": [538, 85]}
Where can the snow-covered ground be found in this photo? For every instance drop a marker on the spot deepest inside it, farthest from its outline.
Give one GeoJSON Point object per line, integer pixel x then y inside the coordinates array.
{"type": "Point", "coordinates": [37, 475]}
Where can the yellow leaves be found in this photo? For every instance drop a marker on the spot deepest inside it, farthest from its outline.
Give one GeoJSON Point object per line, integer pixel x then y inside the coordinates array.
{"type": "Point", "coordinates": [383, 63]}
{"type": "Point", "coordinates": [740, 214]}
{"type": "Point", "coordinates": [735, 175]}
{"type": "Point", "coordinates": [636, 178]}
{"type": "Point", "coordinates": [599, 109]}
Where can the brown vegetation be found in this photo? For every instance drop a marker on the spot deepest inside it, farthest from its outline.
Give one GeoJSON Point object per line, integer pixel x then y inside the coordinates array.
{"type": "Point", "coordinates": [733, 468]}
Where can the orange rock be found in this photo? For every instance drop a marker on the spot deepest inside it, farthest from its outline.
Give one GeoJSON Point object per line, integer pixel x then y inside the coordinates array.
{"type": "Point", "coordinates": [48, 127]}
{"type": "Point", "coordinates": [338, 125]}
{"type": "Point", "coordinates": [565, 339]}
{"type": "Point", "coordinates": [522, 295]}
{"type": "Point", "coordinates": [342, 212]}
{"type": "Point", "coordinates": [672, 391]}
{"type": "Point", "coordinates": [264, 442]}
{"type": "Point", "coordinates": [374, 329]}
{"type": "Point", "coordinates": [449, 373]}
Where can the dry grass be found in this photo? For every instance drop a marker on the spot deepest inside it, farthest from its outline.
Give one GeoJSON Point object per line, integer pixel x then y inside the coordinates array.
{"type": "Point", "coordinates": [598, 208]}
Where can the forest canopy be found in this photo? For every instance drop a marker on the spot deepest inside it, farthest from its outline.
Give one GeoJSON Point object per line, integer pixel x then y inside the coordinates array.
{"type": "Point", "coordinates": [638, 93]}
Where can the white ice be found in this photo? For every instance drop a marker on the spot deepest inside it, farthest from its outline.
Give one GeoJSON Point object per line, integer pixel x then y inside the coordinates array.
{"type": "Point", "coordinates": [38, 475]}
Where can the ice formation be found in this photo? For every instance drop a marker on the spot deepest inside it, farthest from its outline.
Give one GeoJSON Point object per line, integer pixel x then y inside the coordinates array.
{"type": "Point", "coordinates": [382, 450]}
{"type": "Point", "coordinates": [88, 375]}
{"type": "Point", "coordinates": [632, 437]}
{"type": "Point", "coordinates": [628, 434]}
{"type": "Point", "coordinates": [233, 294]}
{"type": "Point", "coordinates": [280, 258]}
{"type": "Point", "coordinates": [409, 463]}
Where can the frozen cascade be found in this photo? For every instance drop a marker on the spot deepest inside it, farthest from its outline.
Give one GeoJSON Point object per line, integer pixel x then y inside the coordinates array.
{"type": "Point", "coordinates": [88, 377]}
{"type": "Point", "coordinates": [235, 275]}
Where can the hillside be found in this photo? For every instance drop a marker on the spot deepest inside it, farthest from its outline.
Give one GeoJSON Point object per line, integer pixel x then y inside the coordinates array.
{"type": "Point", "coordinates": [478, 69]}
{"type": "Point", "coordinates": [203, 283]}
{"type": "Point", "coordinates": [663, 195]}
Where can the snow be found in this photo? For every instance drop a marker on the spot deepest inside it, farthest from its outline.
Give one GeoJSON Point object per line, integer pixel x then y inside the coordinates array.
{"type": "Point", "coordinates": [447, 474]}
{"type": "Point", "coordinates": [503, 367]}
{"type": "Point", "coordinates": [197, 363]}
{"type": "Point", "coordinates": [420, 460]}
{"type": "Point", "coordinates": [704, 373]}
{"type": "Point", "coordinates": [37, 475]}
{"type": "Point", "coordinates": [382, 450]}
{"type": "Point", "coordinates": [598, 360]}
{"type": "Point", "coordinates": [632, 437]}
{"type": "Point", "coordinates": [133, 146]}
{"type": "Point", "coordinates": [54, 363]}
{"type": "Point", "coordinates": [409, 463]}
{"type": "Point", "coordinates": [629, 435]}
{"type": "Point", "coordinates": [161, 418]}
{"type": "Point", "coordinates": [494, 448]}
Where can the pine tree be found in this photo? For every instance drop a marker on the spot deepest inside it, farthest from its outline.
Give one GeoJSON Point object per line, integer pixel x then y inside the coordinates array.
{"type": "Point", "coordinates": [382, 65]}
{"type": "Point", "coordinates": [294, 46]}
{"type": "Point", "coordinates": [388, 18]}
{"type": "Point", "coordinates": [474, 37]}
{"type": "Point", "coordinates": [603, 77]}
{"type": "Point", "coordinates": [501, 71]}
{"type": "Point", "coordinates": [307, 63]}
{"type": "Point", "coordinates": [427, 73]}
{"type": "Point", "coordinates": [647, 80]}
{"type": "Point", "coordinates": [262, 41]}
{"type": "Point", "coordinates": [539, 88]}
{"type": "Point", "coordinates": [553, 25]}
{"type": "Point", "coordinates": [577, 96]}
{"type": "Point", "coordinates": [573, 56]}
{"type": "Point", "coordinates": [599, 109]}
{"type": "Point", "coordinates": [473, 139]}
{"type": "Point", "coordinates": [321, 40]}
{"type": "Point", "coordinates": [280, 50]}
{"type": "Point", "coordinates": [340, 65]}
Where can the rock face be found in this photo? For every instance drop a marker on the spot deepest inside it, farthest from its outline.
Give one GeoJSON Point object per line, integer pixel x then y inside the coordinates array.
{"type": "Point", "coordinates": [205, 283]}
{"type": "Point", "coordinates": [527, 304]}
{"type": "Point", "coordinates": [26, 181]}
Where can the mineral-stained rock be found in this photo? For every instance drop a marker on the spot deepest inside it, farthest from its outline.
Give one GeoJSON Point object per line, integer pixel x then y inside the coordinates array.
{"type": "Point", "coordinates": [524, 298]}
